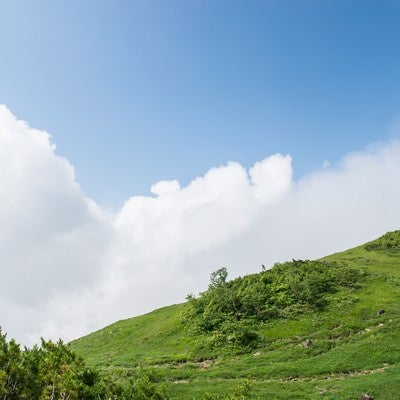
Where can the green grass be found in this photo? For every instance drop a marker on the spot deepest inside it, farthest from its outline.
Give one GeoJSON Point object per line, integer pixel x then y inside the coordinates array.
{"type": "Point", "coordinates": [353, 349]}
{"type": "Point", "coordinates": [147, 339]}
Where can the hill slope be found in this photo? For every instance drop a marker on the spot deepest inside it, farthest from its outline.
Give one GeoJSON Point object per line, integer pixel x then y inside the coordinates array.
{"type": "Point", "coordinates": [339, 352]}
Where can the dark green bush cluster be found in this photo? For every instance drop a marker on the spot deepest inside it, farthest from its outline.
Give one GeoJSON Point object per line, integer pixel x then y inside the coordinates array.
{"type": "Point", "coordinates": [143, 388]}
{"type": "Point", "coordinates": [231, 310]}
{"type": "Point", "coordinates": [389, 241]}
{"type": "Point", "coordinates": [53, 371]}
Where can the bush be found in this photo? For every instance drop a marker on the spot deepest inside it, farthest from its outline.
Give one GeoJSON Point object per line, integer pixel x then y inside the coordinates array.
{"type": "Point", "coordinates": [54, 371]}
{"type": "Point", "coordinates": [236, 334]}
{"type": "Point", "coordinates": [232, 310]}
{"type": "Point", "coordinates": [389, 241]}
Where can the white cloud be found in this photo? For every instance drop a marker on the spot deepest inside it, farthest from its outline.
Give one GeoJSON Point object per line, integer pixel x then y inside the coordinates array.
{"type": "Point", "coordinates": [67, 267]}
{"type": "Point", "coordinates": [271, 176]}
{"type": "Point", "coordinates": [165, 187]}
{"type": "Point", "coordinates": [51, 236]}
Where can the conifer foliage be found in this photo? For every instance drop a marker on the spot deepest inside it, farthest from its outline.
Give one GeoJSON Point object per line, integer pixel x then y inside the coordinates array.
{"type": "Point", "coordinates": [52, 371]}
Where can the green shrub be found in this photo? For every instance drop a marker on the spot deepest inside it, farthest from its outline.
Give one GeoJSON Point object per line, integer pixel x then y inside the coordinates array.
{"type": "Point", "coordinates": [54, 371]}
{"type": "Point", "coordinates": [389, 241]}
{"type": "Point", "coordinates": [231, 310]}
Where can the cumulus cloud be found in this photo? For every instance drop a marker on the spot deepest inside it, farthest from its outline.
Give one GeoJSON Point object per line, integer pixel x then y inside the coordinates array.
{"type": "Point", "coordinates": [68, 267]}
{"type": "Point", "coordinates": [51, 236]}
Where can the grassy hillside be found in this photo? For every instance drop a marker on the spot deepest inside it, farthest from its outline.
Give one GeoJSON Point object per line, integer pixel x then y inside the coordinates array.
{"type": "Point", "coordinates": [352, 348]}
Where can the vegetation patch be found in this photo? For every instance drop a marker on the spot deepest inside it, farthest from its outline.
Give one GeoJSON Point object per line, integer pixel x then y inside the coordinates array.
{"type": "Point", "coordinates": [52, 371]}
{"type": "Point", "coordinates": [231, 311]}
{"type": "Point", "coordinates": [389, 241]}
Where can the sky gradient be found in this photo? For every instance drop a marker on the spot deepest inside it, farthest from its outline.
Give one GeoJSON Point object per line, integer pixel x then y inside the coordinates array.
{"type": "Point", "coordinates": [133, 92]}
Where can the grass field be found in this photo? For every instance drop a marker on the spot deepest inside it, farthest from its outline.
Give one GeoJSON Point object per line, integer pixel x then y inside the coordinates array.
{"type": "Point", "coordinates": [354, 349]}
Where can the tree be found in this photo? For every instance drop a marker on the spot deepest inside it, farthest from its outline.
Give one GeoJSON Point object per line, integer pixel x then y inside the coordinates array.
{"type": "Point", "coordinates": [218, 278]}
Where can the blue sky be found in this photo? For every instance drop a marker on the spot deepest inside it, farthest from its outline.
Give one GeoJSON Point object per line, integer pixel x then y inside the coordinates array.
{"type": "Point", "coordinates": [134, 92]}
